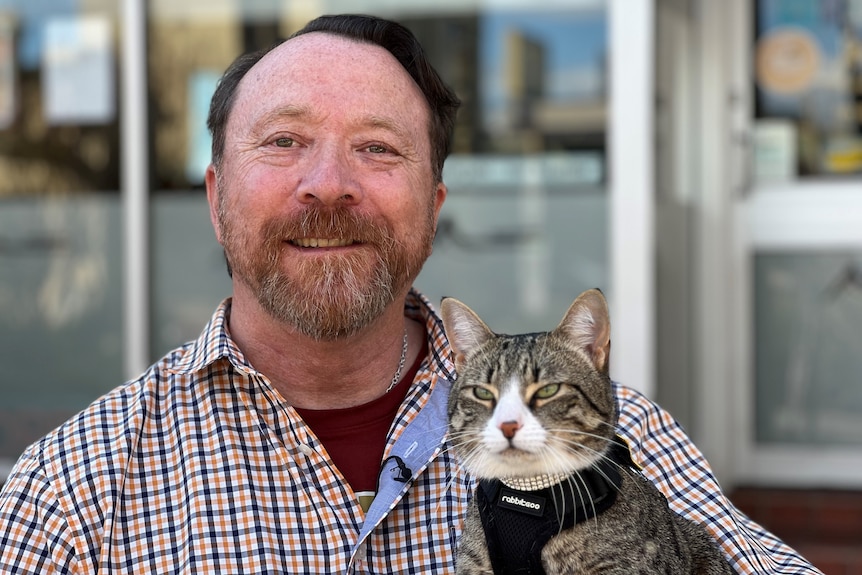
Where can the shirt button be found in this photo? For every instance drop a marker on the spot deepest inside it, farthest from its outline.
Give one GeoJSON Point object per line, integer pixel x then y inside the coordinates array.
{"type": "Point", "coordinates": [307, 450]}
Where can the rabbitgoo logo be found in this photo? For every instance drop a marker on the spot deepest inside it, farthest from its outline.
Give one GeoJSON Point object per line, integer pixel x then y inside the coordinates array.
{"type": "Point", "coordinates": [511, 499]}
{"type": "Point", "coordinates": [520, 501]}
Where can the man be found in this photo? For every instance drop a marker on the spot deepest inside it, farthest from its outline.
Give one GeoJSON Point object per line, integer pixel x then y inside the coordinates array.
{"type": "Point", "coordinates": [304, 431]}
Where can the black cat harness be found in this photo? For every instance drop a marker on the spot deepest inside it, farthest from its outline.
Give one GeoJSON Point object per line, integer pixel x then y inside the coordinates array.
{"type": "Point", "coordinates": [518, 522]}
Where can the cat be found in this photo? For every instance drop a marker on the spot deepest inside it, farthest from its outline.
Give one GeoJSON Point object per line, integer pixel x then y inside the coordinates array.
{"type": "Point", "coordinates": [533, 418]}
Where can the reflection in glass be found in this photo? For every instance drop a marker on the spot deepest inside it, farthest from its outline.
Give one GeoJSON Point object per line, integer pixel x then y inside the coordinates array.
{"type": "Point", "coordinates": [544, 80]}
{"type": "Point", "coordinates": [60, 311]}
{"type": "Point", "coordinates": [60, 134]}
{"type": "Point", "coordinates": [60, 260]}
{"type": "Point", "coordinates": [189, 275]}
{"type": "Point", "coordinates": [519, 250]}
{"type": "Point", "coordinates": [808, 325]}
{"type": "Point", "coordinates": [531, 79]}
{"type": "Point", "coordinates": [808, 68]}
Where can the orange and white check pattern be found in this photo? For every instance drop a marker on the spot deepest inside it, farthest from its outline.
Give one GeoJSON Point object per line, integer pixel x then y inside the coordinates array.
{"type": "Point", "coordinates": [669, 459]}
{"type": "Point", "coordinates": [199, 466]}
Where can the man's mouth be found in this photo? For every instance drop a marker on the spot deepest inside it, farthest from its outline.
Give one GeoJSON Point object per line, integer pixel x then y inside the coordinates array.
{"type": "Point", "coordinates": [322, 242]}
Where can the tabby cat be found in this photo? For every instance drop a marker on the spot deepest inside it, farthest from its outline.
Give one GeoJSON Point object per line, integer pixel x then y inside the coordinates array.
{"type": "Point", "coordinates": [533, 418]}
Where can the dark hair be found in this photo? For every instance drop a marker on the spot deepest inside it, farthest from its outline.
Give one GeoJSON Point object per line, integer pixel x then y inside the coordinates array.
{"type": "Point", "coordinates": [395, 38]}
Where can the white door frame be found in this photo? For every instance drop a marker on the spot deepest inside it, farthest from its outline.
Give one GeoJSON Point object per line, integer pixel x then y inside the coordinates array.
{"type": "Point", "coordinates": [632, 192]}
{"type": "Point", "coordinates": [809, 214]}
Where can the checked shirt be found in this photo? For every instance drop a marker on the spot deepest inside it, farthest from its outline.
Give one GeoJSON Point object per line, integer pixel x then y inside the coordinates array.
{"type": "Point", "coordinates": [199, 466]}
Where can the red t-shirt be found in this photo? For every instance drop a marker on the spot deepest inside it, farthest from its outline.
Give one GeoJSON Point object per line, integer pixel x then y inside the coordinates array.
{"type": "Point", "coordinates": [355, 437]}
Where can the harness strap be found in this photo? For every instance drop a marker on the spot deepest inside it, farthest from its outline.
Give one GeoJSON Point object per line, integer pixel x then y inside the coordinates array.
{"type": "Point", "coordinates": [518, 523]}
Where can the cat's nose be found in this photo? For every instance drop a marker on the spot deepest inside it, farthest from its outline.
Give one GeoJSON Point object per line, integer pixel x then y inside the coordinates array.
{"type": "Point", "coordinates": [509, 428]}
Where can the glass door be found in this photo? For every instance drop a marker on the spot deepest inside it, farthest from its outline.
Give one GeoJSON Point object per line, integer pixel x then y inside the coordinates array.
{"type": "Point", "coordinates": [801, 244]}
{"type": "Point", "coordinates": [96, 283]}
{"type": "Point", "coordinates": [60, 231]}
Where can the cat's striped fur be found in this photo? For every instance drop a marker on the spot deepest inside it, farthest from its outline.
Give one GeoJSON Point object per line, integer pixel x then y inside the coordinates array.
{"type": "Point", "coordinates": [542, 404]}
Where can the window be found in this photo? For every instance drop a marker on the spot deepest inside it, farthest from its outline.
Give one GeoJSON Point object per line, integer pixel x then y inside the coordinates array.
{"type": "Point", "coordinates": [808, 72]}
{"type": "Point", "coordinates": [60, 259]}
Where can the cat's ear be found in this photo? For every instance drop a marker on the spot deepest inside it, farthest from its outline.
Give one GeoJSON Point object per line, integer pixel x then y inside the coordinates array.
{"type": "Point", "coordinates": [587, 323]}
{"type": "Point", "coordinates": [463, 327]}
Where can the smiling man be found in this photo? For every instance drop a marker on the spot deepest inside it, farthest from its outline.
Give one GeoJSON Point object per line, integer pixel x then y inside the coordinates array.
{"type": "Point", "coordinates": [325, 199]}
{"type": "Point", "coordinates": [304, 430]}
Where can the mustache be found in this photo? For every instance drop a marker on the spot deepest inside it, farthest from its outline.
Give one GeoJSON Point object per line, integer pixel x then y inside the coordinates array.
{"type": "Point", "coordinates": [331, 223]}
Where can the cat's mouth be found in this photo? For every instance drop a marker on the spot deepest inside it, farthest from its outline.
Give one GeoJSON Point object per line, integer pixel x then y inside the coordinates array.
{"type": "Point", "coordinates": [512, 462]}
{"type": "Point", "coordinates": [515, 452]}
{"type": "Point", "coordinates": [519, 460]}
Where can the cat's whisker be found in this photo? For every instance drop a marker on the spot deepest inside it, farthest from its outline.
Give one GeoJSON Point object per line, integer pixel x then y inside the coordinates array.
{"type": "Point", "coordinates": [577, 494]}
{"type": "Point", "coordinates": [623, 469]}
{"type": "Point", "coordinates": [580, 432]}
{"type": "Point", "coordinates": [562, 435]}
{"type": "Point", "coordinates": [561, 508]}
{"type": "Point", "coordinates": [452, 450]}
{"type": "Point", "coordinates": [461, 439]}
{"type": "Point", "coordinates": [449, 484]}
{"type": "Point", "coordinates": [600, 454]}
{"type": "Point", "coordinates": [578, 439]}
{"type": "Point", "coordinates": [572, 446]}
{"type": "Point", "coordinates": [603, 456]}
{"type": "Point", "coordinates": [592, 503]}
{"type": "Point", "coordinates": [436, 428]}
{"type": "Point", "coordinates": [475, 459]}
{"type": "Point", "coordinates": [608, 424]}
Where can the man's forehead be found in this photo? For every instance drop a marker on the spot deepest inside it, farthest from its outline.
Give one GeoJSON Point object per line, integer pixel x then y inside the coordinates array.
{"type": "Point", "coordinates": [308, 49]}
{"type": "Point", "coordinates": [335, 64]}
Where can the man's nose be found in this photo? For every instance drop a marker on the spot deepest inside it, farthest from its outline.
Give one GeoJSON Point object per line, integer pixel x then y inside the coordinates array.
{"type": "Point", "coordinates": [328, 178]}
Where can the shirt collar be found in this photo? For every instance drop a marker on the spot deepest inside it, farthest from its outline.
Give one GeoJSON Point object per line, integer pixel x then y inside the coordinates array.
{"type": "Point", "coordinates": [215, 343]}
{"type": "Point", "coordinates": [419, 308]}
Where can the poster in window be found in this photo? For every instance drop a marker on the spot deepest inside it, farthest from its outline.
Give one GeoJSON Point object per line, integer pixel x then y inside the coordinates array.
{"type": "Point", "coordinates": [808, 65]}
{"type": "Point", "coordinates": [78, 71]}
{"type": "Point", "coordinates": [8, 100]}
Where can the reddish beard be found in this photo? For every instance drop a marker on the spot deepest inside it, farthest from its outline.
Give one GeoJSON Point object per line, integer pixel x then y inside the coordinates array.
{"type": "Point", "coordinates": [334, 294]}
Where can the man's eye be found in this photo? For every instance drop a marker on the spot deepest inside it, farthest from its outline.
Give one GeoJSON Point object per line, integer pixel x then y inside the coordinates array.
{"type": "Point", "coordinates": [377, 149]}
{"type": "Point", "coordinates": [284, 142]}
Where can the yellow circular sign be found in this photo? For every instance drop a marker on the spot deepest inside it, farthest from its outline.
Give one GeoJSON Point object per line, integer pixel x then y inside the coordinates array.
{"type": "Point", "coordinates": [787, 60]}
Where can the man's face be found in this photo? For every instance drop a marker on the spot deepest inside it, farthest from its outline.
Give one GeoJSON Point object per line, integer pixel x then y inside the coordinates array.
{"type": "Point", "coordinates": [325, 201]}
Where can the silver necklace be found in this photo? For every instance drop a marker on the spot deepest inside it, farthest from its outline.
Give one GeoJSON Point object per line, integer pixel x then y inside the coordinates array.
{"type": "Point", "coordinates": [397, 375]}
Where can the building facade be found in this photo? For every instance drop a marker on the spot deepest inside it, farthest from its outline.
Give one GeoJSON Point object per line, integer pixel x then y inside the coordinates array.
{"type": "Point", "coordinates": [699, 161]}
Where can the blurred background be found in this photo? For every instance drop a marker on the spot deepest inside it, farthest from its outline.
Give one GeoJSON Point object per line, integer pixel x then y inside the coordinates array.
{"type": "Point", "coordinates": [699, 161]}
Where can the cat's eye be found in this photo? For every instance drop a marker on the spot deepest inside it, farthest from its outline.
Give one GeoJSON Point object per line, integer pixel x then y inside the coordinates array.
{"type": "Point", "coordinates": [547, 391]}
{"type": "Point", "coordinates": [483, 393]}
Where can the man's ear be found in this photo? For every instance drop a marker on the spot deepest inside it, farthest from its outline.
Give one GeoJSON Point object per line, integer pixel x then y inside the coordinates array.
{"type": "Point", "coordinates": [211, 181]}
{"type": "Point", "coordinates": [440, 196]}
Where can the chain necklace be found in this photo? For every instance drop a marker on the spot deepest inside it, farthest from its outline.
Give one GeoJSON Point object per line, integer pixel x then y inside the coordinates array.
{"type": "Point", "coordinates": [397, 375]}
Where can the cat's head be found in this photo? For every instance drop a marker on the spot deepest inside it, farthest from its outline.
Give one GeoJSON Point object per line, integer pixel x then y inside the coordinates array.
{"type": "Point", "coordinates": [532, 404]}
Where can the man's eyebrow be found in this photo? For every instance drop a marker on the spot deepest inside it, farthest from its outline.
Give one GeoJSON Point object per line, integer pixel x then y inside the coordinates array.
{"type": "Point", "coordinates": [288, 111]}
{"type": "Point", "coordinates": [387, 124]}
